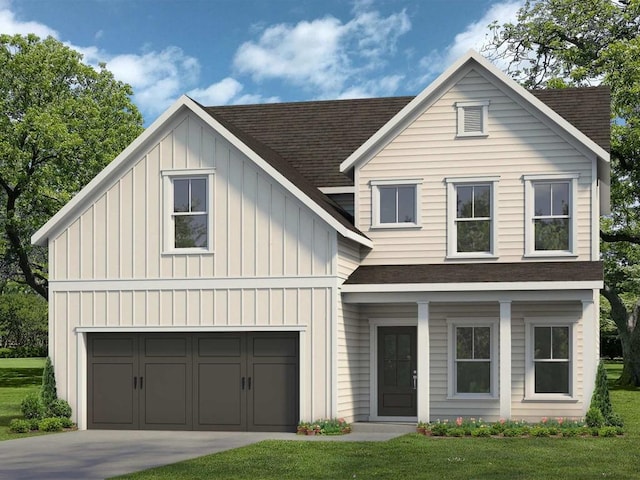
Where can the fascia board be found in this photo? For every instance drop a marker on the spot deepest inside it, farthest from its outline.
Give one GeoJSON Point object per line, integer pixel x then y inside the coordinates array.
{"type": "Point", "coordinates": [376, 141]}
{"type": "Point", "coordinates": [80, 199]}
{"type": "Point", "coordinates": [469, 286]}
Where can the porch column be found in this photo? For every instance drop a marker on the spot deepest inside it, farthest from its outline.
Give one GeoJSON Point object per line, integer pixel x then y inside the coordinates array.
{"type": "Point", "coordinates": [505, 359]}
{"type": "Point", "coordinates": [423, 361]}
{"type": "Point", "coordinates": [591, 350]}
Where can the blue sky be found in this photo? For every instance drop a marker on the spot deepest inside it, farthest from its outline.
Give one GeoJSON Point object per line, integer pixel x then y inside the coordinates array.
{"type": "Point", "coordinates": [253, 51]}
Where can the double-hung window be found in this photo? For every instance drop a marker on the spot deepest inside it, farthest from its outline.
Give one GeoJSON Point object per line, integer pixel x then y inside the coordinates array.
{"type": "Point", "coordinates": [472, 216]}
{"type": "Point", "coordinates": [550, 228]}
{"type": "Point", "coordinates": [472, 358]}
{"type": "Point", "coordinates": [395, 203]}
{"type": "Point", "coordinates": [188, 207]}
{"type": "Point", "coordinates": [550, 365]}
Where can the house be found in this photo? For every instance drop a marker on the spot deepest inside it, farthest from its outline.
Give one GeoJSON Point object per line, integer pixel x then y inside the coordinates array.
{"type": "Point", "coordinates": [392, 259]}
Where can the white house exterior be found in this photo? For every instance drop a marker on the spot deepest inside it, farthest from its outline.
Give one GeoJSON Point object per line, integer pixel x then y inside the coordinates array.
{"type": "Point", "coordinates": [210, 278]}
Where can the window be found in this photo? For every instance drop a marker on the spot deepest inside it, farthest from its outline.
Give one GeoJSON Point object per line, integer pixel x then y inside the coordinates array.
{"type": "Point", "coordinates": [395, 203]}
{"type": "Point", "coordinates": [550, 369]}
{"type": "Point", "coordinates": [472, 118]}
{"type": "Point", "coordinates": [188, 203]}
{"type": "Point", "coordinates": [550, 226]}
{"type": "Point", "coordinates": [472, 367]}
{"type": "Point", "coordinates": [472, 216]}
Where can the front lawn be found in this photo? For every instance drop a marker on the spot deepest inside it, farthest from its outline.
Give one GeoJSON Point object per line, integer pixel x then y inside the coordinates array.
{"type": "Point", "coordinates": [418, 457]}
{"type": "Point", "coordinates": [18, 377]}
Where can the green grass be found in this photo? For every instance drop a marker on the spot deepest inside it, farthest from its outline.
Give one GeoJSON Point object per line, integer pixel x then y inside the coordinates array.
{"type": "Point", "coordinates": [419, 457]}
{"type": "Point", "coordinates": [18, 377]}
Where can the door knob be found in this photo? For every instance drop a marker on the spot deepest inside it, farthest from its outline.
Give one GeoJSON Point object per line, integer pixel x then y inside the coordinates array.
{"type": "Point", "coordinates": [415, 379]}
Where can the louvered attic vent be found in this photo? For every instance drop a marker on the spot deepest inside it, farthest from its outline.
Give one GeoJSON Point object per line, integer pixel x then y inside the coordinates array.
{"type": "Point", "coordinates": [472, 118]}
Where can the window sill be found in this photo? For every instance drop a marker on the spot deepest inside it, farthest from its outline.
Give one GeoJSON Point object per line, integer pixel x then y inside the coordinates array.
{"type": "Point", "coordinates": [474, 397]}
{"type": "Point", "coordinates": [472, 256]}
{"type": "Point", "coordinates": [472, 135]}
{"type": "Point", "coordinates": [551, 397]}
{"type": "Point", "coordinates": [187, 251]}
{"type": "Point", "coordinates": [550, 254]}
{"type": "Point", "coordinates": [391, 226]}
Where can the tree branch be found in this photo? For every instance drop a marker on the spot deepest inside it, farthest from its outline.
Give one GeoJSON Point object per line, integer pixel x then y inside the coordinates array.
{"type": "Point", "coordinates": [619, 237]}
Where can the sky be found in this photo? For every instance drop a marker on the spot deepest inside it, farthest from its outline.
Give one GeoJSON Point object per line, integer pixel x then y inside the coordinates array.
{"type": "Point", "coordinates": [255, 51]}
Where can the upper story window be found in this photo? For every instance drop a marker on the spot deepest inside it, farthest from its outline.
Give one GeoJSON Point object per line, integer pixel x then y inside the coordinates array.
{"type": "Point", "coordinates": [472, 118]}
{"type": "Point", "coordinates": [188, 204]}
{"type": "Point", "coordinates": [472, 358]}
{"type": "Point", "coordinates": [550, 371]}
{"type": "Point", "coordinates": [395, 203]}
{"type": "Point", "coordinates": [472, 212]}
{"type": "Point", "coordinates": [550, 228]}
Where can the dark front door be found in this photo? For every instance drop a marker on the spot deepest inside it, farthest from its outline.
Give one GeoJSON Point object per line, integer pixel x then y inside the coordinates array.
{"type": "Point", "coordinates": [397, 371]}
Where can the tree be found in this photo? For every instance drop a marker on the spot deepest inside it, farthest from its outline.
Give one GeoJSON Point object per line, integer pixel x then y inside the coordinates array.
{"type": "Point", "coordinates": [557, 43]}
{"type": "Point", "coordinates": [61, 122]}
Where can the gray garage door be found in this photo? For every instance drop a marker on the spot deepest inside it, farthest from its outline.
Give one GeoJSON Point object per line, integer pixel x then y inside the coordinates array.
{"type": "Point", "coordinates": [204, 381]}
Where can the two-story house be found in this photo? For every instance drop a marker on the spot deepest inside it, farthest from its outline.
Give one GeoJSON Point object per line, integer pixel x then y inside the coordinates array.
{"type": "Point", "coordinates": [388, 259]}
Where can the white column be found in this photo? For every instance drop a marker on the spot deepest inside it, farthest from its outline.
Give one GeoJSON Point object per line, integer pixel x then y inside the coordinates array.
{"type": "Point", "coordinates": [81, 380]}
{"type": "Point", "coordinates": [423, 361]}
{"type": "Point", "coordinates": [590, 338]}
{"type": "Point", "coordinates": [505, 359]}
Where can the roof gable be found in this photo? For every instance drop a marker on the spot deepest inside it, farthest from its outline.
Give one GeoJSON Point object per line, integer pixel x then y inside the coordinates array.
{"type": "Point", "coordinates": [421, 102]}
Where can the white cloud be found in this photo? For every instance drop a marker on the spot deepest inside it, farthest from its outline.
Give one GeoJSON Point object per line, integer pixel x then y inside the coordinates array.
{"type": "Point", "coordinates": [473, 37]}
{"type": "Point", "coordinates": [324, 55]}
{"type": "Point", "coordinates": [380, 87]}
{"type": "Point", "coordinates": [10, 25]}
{"type": "Point", "coordinates": [227, 91]}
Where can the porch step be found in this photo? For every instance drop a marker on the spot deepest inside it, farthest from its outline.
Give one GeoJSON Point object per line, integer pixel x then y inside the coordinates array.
{"type": "Point", "coordinates": [382, 427]}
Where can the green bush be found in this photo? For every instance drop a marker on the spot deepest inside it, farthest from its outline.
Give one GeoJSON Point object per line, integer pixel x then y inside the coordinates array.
{"type": "Point", "coordinates": [50, 424]}
{"type": "Point", "coordinates": [601, 400]}
{"type": "Point", "coordinates": [60, 408]}
{"type": "Point", "coordinates": [540, 432]}
{"type": "Point", "coordinates": [608, 432]}
{"type": "Point", "coordinates": [32, 406]}
{"type": "Point", "coordinates": [34, 423]}
{"type": "Point", "coordinates": [594, 417]}
{"type": "Point", "coordinates": [456, 432]}
{"type": "Point", "coordinates": [481, 432]}
{"type": "Point", "coordinates": [48, 391]}
{"type": "Point", "coordinates": [439, 429]}
{"type": "Point", "coordinates": [19, 425]}
{"type": "Point", "coordinates": [66, 422]}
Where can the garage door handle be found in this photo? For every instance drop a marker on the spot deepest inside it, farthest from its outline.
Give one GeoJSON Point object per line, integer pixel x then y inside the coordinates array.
{"type": "Point", "coordinates": [249, 387]}
{"type": "Point", "coordinates": [242, 383]}
{"type": "Point", "coordinates": [140, 383]}
{"type": "Point", "coordinates": [135, 382]}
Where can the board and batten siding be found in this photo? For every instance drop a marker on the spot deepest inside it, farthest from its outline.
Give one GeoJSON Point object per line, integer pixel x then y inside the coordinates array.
{"type": "Point", "coordinates": [259, 229]}
{"type": "Point", "coordinates": [517, 144]}
{"type": "Point", "coordinates": [273, 264]}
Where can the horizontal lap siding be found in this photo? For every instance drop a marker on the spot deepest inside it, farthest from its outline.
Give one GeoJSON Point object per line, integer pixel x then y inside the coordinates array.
{"type": "Point", "coordinates": [518, 144]}
{"type": "Point", "coordinates": [259, 229]}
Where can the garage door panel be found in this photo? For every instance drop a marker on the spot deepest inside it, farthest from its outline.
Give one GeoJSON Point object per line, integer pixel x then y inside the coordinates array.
{"type": "Point", "coordinates": [220, 401]}
{"type": "Point", "coordinates": [165, 347]}
{"type": "Point", "coordinates": [274, 396]}
{"type": "Point", "coordinates": [166, 396]}
{"type": "Point", "coordinates": [111, 398]}
{"type": "Point", "coordinates": [226, 346]}
{"type": "Point", "coordinates": [113, 346]}
{"type": "Point", "coordinates": [268, 346]}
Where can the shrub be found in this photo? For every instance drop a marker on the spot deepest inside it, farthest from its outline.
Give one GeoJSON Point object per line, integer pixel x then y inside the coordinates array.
{"type": "Point", "coordinates": [481, 431]}
{"type": "Point", "coordinates": [48, 391]}
{"type": "Point", "coordinates": [19, 425]}
{"type": "Point", "coordinates": [594, 417]}
{"type": "Point", "coordinates": [66, 422]}
{"type": "Point", "coordinates": [512, 432]}
{"type": "Point", "coordinates": [50, 424]}
{"type": "Point", "coordinates": [608, 432]}
{"type": "Point", "coordinates": [439, 429]}
{"type": "Point", "coordinates": [540, 432]}
{"type": "Point", "coordinates": [456, 432]}
{"type": "Point", "coordinates": [32, 406]}
{"type": "Point", "coordinates": [615, 420]}
{"type": "Point", "coordinates": [602, 401]}
{"type": "Point", "coordinates": [34, 423]}
{"type": "Point", "coordinates": [59, 408]}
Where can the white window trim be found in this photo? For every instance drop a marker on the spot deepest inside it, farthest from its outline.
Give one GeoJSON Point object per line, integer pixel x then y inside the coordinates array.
{"type": "Point", "coordinates": [529, 202]}
{"type": "Point", "coordinates": [375, 202]}
{"type": "Point", "coordinates": [529, 381]}
{"type": "Point", "coordinates": [452, 231]}
{"type": "Point", "coordinates": [452, 323]}
{"type": "Point", "coordinates": [167, 201]}
{"type": "Point", "coordinates": [460, 106]}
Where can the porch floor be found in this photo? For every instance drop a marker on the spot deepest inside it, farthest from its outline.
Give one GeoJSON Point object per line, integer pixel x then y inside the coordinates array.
{"type": "Point", "coordinates": [383, 427]}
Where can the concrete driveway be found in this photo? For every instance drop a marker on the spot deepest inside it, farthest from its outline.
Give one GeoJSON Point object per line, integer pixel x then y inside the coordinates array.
{"type": "Point", "coordinates": [99, 454]}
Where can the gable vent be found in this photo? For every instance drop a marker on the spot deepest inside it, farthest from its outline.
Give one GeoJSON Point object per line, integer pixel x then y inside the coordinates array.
{"type": "Point", "coordinates": [473, 120]}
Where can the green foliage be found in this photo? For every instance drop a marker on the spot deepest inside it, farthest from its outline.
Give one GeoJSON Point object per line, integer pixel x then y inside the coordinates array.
{"type": "Point", "coordinates": [50, 424]}
{"type": "Point", "coordinates": [59, 408]}
{"type": "Point", "coordinates": [23, 322]}
{"type": "Point", "coordinates": [559, 43]}
{"type": "Point", "coordinates": [61, 123]}
{"type": "Point", "coordinates": [594, 417]}
{"type": "Point", "coordinates": [32, 406]}
{"type": "Point", "coordinates": [66, 422]}
{"type": "Point", "coordinates": [600, 399]}
{"type": "Point", "coordinates": [48, 391]}
{"type": "Point", "coordinates": [326, 426]}
{"type": "Point", "coordinates": [19, 425]}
